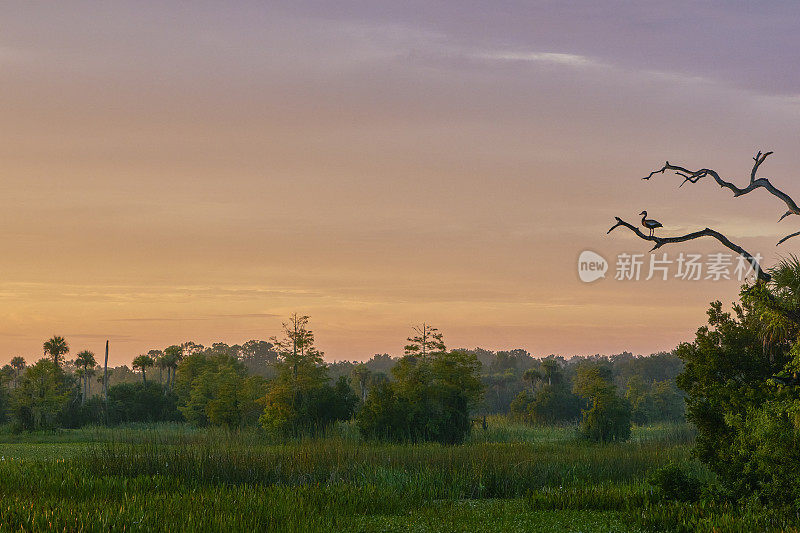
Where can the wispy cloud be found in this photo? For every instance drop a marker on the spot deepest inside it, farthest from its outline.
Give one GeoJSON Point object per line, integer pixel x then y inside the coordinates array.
{"type": "Point", "coordinates": [578, 61]}
{"type": "Point", "coordinates": [626, 73]}
{"type": "Point", "coordinates": [557, 58]}
{"type": "Point", "coordinates": [192, 318]}
{"type": "Point", "coordinates": [113, 292]}
{"type": "Point", "coordinates": [95, 336]}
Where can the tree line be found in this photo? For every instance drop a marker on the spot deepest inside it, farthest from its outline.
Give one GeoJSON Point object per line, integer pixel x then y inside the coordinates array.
{"type": "Point", "coordinates": [284, 386]}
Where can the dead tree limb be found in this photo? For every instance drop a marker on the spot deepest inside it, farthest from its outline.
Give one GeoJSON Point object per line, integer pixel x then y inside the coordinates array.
{"type": "Point", "coordinates": [707, 232]}
{"type": "Point", "coordinates": [693, 176]}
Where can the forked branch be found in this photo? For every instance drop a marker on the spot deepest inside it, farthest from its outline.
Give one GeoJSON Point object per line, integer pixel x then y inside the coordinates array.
{"type": "Point", "coordinates": [707, 232]}
{"type": "Point", "coordinates": [693, 176]}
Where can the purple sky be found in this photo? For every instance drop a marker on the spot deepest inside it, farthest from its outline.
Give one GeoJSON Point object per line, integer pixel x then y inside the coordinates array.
{"type": "Point", "coordinates": [176, 171]}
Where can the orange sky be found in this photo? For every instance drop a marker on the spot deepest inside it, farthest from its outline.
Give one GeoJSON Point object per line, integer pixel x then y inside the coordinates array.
{"type": "Point", "coordinates": [189, 173]}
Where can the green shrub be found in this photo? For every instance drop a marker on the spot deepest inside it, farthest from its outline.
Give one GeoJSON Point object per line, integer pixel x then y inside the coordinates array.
{"type": "Point", "coordinates": [549, 404]}
{"type": "Point", "coordinates": [42, 396]}
{"type": "Point", "coordinates": [747, 421]}
{"type": "Point", "coordinates": [141, 402]}
{"type": "Point", "coordinates": [673, 483]}
{"type": "Point", "coordinates": [609, 416]}
{"type": "Point", "coordinates": [429, 400]}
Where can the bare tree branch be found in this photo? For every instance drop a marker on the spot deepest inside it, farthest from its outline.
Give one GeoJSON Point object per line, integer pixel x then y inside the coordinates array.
{"type": "Point", "coordinates": [759, 158]}
{"type": "Point", "coordinates": [795, 234]}
{"type": "Point", "coordinates": [707, 232]}
{"type": "Point", "coordinates": [693, 176]}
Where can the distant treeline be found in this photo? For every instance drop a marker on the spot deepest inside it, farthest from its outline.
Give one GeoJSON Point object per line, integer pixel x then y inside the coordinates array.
{"type": "Point", "coordinates": [284, 386]}
{"type": "Point", "coordinates": [540, 390]}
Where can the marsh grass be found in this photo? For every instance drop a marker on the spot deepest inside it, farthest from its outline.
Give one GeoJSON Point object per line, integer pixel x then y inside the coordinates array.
{"type": "Point", "coordinates": [482, 470]}
{"type": "Point", "coordinates": [171, 477]}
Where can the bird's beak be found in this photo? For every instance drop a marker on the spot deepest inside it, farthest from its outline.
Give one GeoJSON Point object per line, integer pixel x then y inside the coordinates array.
{"type": "Point", "coordinates": [643, 212]}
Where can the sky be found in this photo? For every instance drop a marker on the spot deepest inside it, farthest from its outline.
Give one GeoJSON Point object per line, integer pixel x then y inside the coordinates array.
{"type": "Point", "coordinates": [177, 171]}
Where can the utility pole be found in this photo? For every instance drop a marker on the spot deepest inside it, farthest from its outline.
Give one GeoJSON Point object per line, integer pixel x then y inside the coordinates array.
{"type": "Point", "coordinates": [105, 382]}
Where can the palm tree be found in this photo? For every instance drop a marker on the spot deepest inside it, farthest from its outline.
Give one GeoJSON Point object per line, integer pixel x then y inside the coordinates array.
{"type": "Point", "coordinates": [85, 362]}
{"type": "Point", "coordinates": [143, 362]}
{"type": "Point", "coordinates": [56, 348]}
{"type": "Point", "coordinates": [531, 376]}
{"type": "Point", "coordinates": [172, 356]}
{"type": "Point", "coordinates": [551, 371]}
{"type": "Point", "coordinates": [161, 364]}
{"type": "Point", "coordinates": [779, 302]}
{"type": "Point", "coordinates": [156, 355]}
{"type": "Point", "coordinates": [18, 364]}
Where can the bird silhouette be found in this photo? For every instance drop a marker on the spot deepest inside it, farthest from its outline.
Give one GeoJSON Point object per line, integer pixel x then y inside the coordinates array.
{"type": "Point", "coordinates": [649, 223]}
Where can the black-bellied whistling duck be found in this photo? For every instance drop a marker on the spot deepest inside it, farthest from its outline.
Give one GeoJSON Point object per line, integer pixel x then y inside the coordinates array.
{"type": "Point", "coordinates": [649, 223]}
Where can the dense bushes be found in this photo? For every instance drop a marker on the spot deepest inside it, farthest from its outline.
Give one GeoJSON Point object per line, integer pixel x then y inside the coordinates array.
{"type": "Point", "coordinates": [674, 483]}
{"type": "Point", "coordinates": [506, 374]}
{"type": "Point", "coordinates": [549, 400]}
{"type": "Point", "coordinates": [743, 390]}
{"type": "Point", "coordinates": [766, 446]}
{"type": "Point", "coordinates": [300, 400]}
{"type": "Point", "coordinates": [4, 407]}
{"type": "Point", "coordinates": [608, 419]}
{"type": "Point", "coordinates": [42, 396]}
{"type": "Point", "coordinates": [384, 415]}
{"type": "Point", "coordinates": [214, 389]}
{"type": "Point", "coordinates": [307, 409]}
{"type": "Point", "coordinates": [745, 433]}
{"type": "Point", "coordinates": [660, 401]}
{"type": "Point", "coordinates": [429, 399]}
{"type": "Point", "coordinates": [127, 402]}
{"type": "Point", "coordinates": [609, 416]}
{"type": "Point", "coordinates": [141, 402]}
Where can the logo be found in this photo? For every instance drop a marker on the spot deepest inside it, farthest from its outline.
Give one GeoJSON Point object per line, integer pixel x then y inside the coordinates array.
{"type": "Point", "coordinates": [591, 266]}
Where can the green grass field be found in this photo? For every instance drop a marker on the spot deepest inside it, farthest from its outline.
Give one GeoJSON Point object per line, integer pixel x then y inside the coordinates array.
{"type": "Point", "coordinates": [506, 478]}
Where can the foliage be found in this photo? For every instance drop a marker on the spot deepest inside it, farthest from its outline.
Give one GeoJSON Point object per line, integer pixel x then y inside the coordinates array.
{"type": "Point", "coordinates": [503, 377]}
{"type": "Point", "coordinates": [141, 402]}
{"type": "Point", "coordinates": [41, 397]}
{"type": "Point", "coordinates": [384, 415]}
{"type": "Point", "coordinates": [305, 403]}
{"type": "Point", "coordinates": [259, 357]}
{"type": "Point", "coordinates": [362, 379]}
{"type": "Point", "coordinates": [300, 399]}
{"type": "Point", "coordinates": [143, 362]}
{"type": "Point", "coordinates": [609, 416]}
{"type": "Point", "coordinates": [657, 367]}
{"type": "Point", "coordinates": [654, 402]}
{"type": "Point", "coordinates": [170, 359]}
{"type": "Point", "coordinates": [550, 404]}
{"type": "Point", "coordinates": [506, 374]}
{"type": "Point", "coordinates": [214, 386]}
{"type": "Point", "coordinates": [674, 483]}
{"type": "Point", "coordinates": [56, 347]}
{"type": "Point", "coordinates": [4, 403]}
{"type": "Point", "coordinates": [430, 399]}
{"type": "Point", "coordinates": [17, 363]}
{"type": "Point", "coordinates": [85, 362]}
{"type": "Point", "coordinates": [548, 399]}
{"type": "Point", "coordinates": [747, 422]}
{"type": "Point", "coordinates": [215, 390]}
{"type": "Point", "coordinates": [425, 341]}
